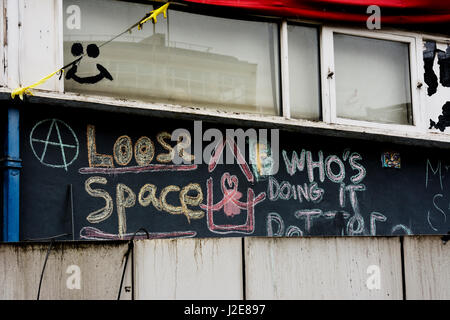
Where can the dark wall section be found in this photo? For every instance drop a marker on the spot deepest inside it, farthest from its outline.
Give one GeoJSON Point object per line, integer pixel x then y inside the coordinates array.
{"type": "Point", "coordinates": [122, 178]}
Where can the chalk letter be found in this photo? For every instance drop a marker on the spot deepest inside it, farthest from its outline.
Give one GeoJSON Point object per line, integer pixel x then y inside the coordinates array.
{"type": "Point", "coordinates": [275, 217]}
{"type": "Point", "coordinates": [144, 151]}
{"type": "Point", "coordinates": [186, 200]}
{"type": "Point", "coordinates": [95, 159]}
{"type": "Point", "coordinates": [103, 213]}
{"type": "Point", "coordinates": [123, 150]}
{"type": "Point", "coordinates": [312, 164]}
{"type": "Point", "coordinates": [295, 163]}
{"type": "Point", "coordinates": [151, 198]}
{"type": "Point", "coordinates": [123, 203]}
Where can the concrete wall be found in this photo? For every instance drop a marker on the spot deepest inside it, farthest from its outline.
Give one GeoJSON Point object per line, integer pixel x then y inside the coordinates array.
{"type": "Point", "coordinates": [323, 268]}
{"type": "Point", "coordinates": [100, 270]}
{"type": "Point", "coordinates": [189, 269]}
{"type": "Point", "coordinates": [427, 268]}
{"type": "Point", "coordinates": [231, 268]}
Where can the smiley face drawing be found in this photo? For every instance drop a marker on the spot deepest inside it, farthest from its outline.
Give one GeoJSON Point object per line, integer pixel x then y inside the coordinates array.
{"type": "Point", "coordinates": [92, 51]}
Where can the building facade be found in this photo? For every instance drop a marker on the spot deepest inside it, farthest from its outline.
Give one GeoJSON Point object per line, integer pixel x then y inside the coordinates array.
{"type": "Point", "coordinates": [271, 152]}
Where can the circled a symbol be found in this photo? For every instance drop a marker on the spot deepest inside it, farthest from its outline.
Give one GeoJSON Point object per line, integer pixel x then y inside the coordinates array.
{"type": "Point", "coordinates": [58, 126]}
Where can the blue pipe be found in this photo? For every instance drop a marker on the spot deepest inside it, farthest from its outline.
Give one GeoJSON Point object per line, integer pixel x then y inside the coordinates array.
{"type": "Point", "coordinates": [11, 177]}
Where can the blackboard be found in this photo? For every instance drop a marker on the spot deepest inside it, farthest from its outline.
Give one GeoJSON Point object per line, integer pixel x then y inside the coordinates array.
{"type": "Point", "coordinates": [66, 183]}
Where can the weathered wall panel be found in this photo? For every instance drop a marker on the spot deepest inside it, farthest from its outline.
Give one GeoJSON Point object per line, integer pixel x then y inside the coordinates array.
{"type": "Point", "coordinates": [100, 268]}
{"type": "Point", "coordinates": [427, 268]}
{"type": "Point", "coordinates": [40, 51]}
{"type": "Point", "coordinates": [189, 269]}
{"type": "Point", "coordinates": [323, 268]}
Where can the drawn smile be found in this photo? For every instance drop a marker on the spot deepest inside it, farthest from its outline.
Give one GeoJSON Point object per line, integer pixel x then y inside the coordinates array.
{"type": "Point", "coordinates": [93, 52]}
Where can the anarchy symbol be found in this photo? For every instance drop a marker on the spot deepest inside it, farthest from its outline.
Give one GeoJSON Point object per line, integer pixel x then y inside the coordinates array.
{"type": "Point", "coordinates": [58, 126]}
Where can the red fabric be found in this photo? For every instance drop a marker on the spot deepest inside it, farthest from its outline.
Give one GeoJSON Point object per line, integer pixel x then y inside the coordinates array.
{"type": "Point", "coordinates": [392, 11]}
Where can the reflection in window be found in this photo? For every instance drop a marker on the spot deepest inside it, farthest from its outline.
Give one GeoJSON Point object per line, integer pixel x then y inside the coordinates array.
{"type": "Point", "coordinates": [372, 79]}
{"type": "Point", "coordinates": [186, 59]}
{"type": "Point", "coordinates": [304, 85]}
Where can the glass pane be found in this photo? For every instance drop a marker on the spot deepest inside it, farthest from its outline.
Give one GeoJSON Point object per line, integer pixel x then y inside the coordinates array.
{"type": "Point", "coordinates": [372, 79]}
{"type": "Point", "coordinates": [186, 59]}
{"type": "Point", "coordinates": [304, 72]}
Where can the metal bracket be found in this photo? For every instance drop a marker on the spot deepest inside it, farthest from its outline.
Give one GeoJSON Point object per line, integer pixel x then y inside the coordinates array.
{"type": "Point", "coordinates": [11, 163]}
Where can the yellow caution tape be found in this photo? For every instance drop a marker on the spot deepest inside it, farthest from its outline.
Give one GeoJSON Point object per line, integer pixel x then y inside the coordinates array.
{"type": "Point", "coordinates": [154, 14]}
{"type": "Point", "coordinates": [26, 90]}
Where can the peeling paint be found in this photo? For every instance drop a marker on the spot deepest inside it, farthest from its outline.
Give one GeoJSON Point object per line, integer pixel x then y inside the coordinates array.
{"type": "Point", "coordinates": [443, 119]}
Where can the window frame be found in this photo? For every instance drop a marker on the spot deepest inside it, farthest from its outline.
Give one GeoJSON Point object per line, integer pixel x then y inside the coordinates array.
{"type": "Point", "coordinates": [329, 84]}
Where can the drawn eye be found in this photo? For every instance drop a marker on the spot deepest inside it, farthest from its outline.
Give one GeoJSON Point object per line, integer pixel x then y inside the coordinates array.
{"type": "Point", "coordinates": [92, 50]}
{"type": "Point", "coordinates": [77, 49]}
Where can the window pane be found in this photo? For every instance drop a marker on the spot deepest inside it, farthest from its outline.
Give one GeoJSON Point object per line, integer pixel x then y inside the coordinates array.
{"type": "Point", "coordinates": [304, 72]}
{"type": "Point", "coordinates": [187, 59]}
{"type": "Point", "coordinates": [372, 79]}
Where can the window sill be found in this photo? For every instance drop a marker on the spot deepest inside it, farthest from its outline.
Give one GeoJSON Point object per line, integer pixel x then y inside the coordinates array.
{"type": "Point", "coordinates": [382, 134]}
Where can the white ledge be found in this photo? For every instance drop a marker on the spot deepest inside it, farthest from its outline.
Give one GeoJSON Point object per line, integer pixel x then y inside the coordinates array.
{"type": "Point", "coordinates": [412, 137]}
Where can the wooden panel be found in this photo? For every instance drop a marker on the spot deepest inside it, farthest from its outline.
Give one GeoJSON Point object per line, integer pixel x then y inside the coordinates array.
{"type": "Point", "coordinates": [100, 269]}
{"type": "Point", "coordinates": [427, 268]}
{"type": "Point", "coordinates": [189, 269]}
{"type": "Point", "coordinates": [323, 268]}
{"type": "Point", "coordinates": [41, 42]}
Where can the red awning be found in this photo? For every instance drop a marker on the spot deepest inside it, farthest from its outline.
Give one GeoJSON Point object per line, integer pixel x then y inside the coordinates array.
{"type": "Point", "coordinates": [393, 12]}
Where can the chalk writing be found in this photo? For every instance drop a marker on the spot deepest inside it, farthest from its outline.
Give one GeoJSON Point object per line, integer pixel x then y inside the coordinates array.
{"type": "Point", "coordinates": [308, 215]}
{"type": "Point", "coordinates": [375, 216]}
{"type": "Point", "coordinates": [144, 151]}
{"type": "Point", "coordinates": [126, 198]}
{"type": "Point", "coordinates": [230, 196]}
{"type": "Point", "coordinates": [436, 216]}
{"type": "Point", "coordinates": [90, 233]}
{"type": "Point", "coordinates": [261, 159]}
{"type": "Point", "coordinates": [137, 169]}
{"type": "Point", "coordinates": [123, 150]}
{"type": "Point", "coordinates": [95, 159]}
{"type": "Point", "coordinates": [401, 227]}
{"type": "Point", "coordinates": [105, 212]}
{"type": "Point", "coordinates": [148, 179]}
{"type": "Point", "coordinates": [291, 231]}
{"type": "Point", "coordinates": [57, 126]}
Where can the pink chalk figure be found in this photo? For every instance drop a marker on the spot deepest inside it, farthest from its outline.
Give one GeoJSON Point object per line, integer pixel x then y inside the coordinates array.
{"type": "Point", "coordinates": [231, 205]}
{"type": "Point", "coordinates": [230, 208]}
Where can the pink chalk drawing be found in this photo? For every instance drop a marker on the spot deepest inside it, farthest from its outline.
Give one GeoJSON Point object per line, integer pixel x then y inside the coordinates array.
{"type": "Point", "coordinates": [237, 154]}
{"type": "Point", "coordinates": [231, 203]}
{"type": "Point", "coordinates": [91, 233]}
{"type": "Point", "coordinates": [231, 206]}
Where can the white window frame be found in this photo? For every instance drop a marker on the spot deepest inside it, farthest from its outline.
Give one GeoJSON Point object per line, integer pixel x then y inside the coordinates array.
{"type": "Point", "coordinates": [329, 83]}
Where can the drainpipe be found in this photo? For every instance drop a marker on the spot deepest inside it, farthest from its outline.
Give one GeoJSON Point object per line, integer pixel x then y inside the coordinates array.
{"type": "Point", "coordinates": [11, 165]}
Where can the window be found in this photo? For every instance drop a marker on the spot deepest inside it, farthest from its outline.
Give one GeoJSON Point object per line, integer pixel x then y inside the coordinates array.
{"type": "Point", "coordinates": [335, 75]}
{"type": "Point", "coordinates": [369, 77]}
{"type": "Point", "coordinates": [304, 72]}
{"type": "Point", "coordinates": [187, 59]}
